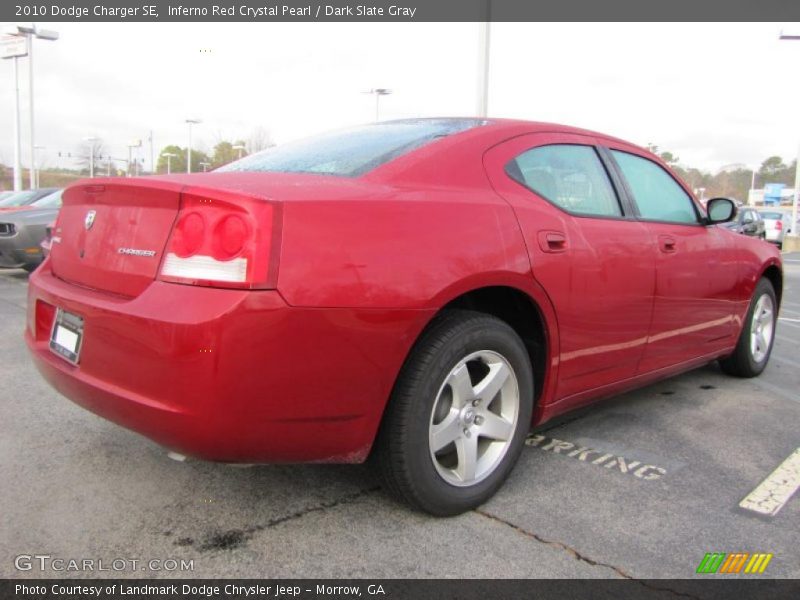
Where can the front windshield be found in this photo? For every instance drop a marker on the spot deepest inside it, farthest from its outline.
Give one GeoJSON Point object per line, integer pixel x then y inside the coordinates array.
{"type": "Point", "coordinates": [18, 199]}
{"type": "Point", "coordinates": [352, 152]}
{"type": "Point", "coordinates": [50, 201]}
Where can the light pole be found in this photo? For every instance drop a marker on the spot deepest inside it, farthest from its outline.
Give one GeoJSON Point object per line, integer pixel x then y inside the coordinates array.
{"type": "Point", "coordinates": [240, 148]}
{"type": "Point", "coordinates": [14, 47]}
{"type": "Point", "coordinates": [484, 39]}
{"type": "Point", "coordinates": [794, 243]}
{"type": "Point", "coordinates": [190, 122]}
{"type": "Point", "coordinates": [42, 34]}
{"type": "Point", "coordinates": [135, 144]}
{"type": "Point", "coordinates": [170, 156]}
{"type": "Point", "coordinates": [91, 141]}
{"type": "Point", "coordinates": [378, 92]}
{"type": "Point", "coordinates": [35, 167]}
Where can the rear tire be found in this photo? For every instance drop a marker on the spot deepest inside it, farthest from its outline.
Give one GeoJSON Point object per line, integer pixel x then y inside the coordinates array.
{"type": "Point", "coordinates": [458, 416]}
{"type": "Point", "coordinates": [754, 347]}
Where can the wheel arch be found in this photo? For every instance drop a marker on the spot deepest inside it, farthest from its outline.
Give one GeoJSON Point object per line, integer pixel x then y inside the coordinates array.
{"type": "Point", "coordinates": [774, 274]}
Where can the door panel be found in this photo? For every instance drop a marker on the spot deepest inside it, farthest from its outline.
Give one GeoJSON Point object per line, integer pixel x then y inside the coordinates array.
{"type": "Point", "coordinates": [599, 273]}
{"type": "Point", "coordinates": [695, 285]}
{"type": "Point", "coordinates": [696, 271]}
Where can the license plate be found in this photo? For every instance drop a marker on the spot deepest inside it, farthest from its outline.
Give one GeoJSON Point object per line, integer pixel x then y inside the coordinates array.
{"type": "Point", "coordinates": [67, 335]}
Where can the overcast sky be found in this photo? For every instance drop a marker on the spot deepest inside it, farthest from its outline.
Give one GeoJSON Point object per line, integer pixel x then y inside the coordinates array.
{"type": "Point", "coordinates": [713, 94]}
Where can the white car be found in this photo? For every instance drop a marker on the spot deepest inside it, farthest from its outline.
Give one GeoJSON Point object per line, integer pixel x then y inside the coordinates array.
{"type": "Point", "coordinates": [776, 225]}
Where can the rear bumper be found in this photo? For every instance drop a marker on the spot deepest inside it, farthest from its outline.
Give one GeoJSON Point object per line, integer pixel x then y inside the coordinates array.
{"type": "Point", "coordinates": [773, 235]}
{"type": "Point", "coordinates": [226, 375]}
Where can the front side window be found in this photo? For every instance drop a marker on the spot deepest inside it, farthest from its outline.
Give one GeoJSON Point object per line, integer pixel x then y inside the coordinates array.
{"type": "Point", "coordinates": [570, 176]}
{"type": "Point", "coordinates": [657, 194]}
{"type": "Point", "coordinates": [352, 152]}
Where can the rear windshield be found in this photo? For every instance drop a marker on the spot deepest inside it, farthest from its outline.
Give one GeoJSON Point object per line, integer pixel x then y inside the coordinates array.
{"type": "Point", "coordinates": [772, 215]}
{"type": "Point", "coordinates": [352, 152]}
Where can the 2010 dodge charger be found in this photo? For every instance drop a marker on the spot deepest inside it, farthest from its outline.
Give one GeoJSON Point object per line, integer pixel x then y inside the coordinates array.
{"type": "Point", "coordinates": [419, 291]}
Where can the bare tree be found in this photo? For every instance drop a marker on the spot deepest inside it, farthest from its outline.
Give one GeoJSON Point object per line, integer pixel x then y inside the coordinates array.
{"type": "Point", "coordinates": [260, 139]}
{"type": "Point", "coordinates": [85, 153]}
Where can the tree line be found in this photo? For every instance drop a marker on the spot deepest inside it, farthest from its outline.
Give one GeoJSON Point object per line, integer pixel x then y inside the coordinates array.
{"type": "Point", "coordinates": [733, 182]}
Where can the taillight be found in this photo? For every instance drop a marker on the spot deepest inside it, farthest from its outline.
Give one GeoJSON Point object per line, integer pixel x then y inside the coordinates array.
{"type": "Point", "coordinates": [778, 225]}
{"type": "Point", "coordinates": [223, 240]}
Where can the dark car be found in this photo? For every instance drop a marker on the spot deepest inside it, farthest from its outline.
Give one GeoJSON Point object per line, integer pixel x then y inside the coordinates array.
{"type": "Point", "coordinates": [748, 222]}
{"type": "Point", "coordinates": [22, 232]}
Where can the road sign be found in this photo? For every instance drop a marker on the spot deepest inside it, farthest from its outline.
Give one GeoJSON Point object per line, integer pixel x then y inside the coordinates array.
{"type": "Point", "coordinates": [13, 45]}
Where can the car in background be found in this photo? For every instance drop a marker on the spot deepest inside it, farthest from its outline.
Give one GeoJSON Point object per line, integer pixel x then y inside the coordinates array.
{"type": "Point", "coordinates": [6, 194]}
{"type": "Point", "coordinates": [747, 222]}
{"type": "Point", "coordinates": [423, 291]}
{"type": "Point", "coordinates": [21, 200]}
{"type": "Point", "coordinates": [22, 232]}
{"type": "Point", "coordinates": [776, 225]}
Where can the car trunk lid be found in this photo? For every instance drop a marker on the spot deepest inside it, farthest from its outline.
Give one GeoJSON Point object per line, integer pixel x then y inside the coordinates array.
{"type": "Point", "coordinates": [111, 234]}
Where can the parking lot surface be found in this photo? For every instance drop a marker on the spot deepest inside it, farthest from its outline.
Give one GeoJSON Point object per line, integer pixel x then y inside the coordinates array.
{"type": "Point", "coordinates": [680, 456]}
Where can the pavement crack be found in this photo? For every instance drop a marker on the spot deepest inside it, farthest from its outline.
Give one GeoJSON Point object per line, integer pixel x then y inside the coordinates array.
{"type": "Point", "coordinates": [234, 538]}
{"type": "Point", "coordinates": [577, 555]}
{"type": "Point", "coordinates": [322, 506]}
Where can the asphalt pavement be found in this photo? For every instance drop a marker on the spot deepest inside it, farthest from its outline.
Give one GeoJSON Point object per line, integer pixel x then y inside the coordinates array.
{"type": "Point", "coordinates": [680, 456]}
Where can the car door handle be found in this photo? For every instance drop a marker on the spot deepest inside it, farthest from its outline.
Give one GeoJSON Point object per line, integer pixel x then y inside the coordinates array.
{"type": "Point", "coordinates": [666, 243]}
{"type": "Point", "coordinates": [552, 241]}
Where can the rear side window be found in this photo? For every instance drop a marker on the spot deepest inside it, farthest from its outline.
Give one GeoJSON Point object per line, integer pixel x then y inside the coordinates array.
{"type": "Point", "coordinates": [570, 176]}
{"type": "Point", "coordinates": [657, 194]}
{"type": "Point", "coordinates": [352, 152]}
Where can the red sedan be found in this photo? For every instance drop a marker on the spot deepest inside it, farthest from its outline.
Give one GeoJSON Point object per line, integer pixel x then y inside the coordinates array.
{"type": "Point", "coordinates": [419, 291]}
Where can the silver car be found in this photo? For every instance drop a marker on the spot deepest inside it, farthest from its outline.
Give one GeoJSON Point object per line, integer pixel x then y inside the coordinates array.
{"type": "Point", "coordinates": [776, 225]}
{"type": "Point", "coordinates": [22, 231]}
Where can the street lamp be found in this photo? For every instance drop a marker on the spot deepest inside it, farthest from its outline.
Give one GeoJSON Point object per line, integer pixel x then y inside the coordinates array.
{"type": "Point", "coordinates": [205, 165]}
{"type": "Point", "coordinates": [190, 122]}
{"type": "Point", "coordinates": [378, 93]}
{"type": "Point", "coordinates": [31, 32]}
{"type": "Point", "coordinates": [240, 148]}
{"type": "Point", "coordinates": [91, 141]}
{"type": "Point", "coordinates": [170, 156]}
{"type": "Point", "coordinates": [14, 47]}
{"type": "Point", "coordinates": [794, 243]}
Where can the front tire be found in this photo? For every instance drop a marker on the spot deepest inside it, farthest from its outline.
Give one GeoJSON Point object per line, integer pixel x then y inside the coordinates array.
{"type": "Point", "coordinates": [458, 416]}
{"type": "Point", "coordinates": [754, 347]}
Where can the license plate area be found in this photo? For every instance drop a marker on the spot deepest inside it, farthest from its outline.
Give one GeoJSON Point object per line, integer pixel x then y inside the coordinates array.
{"type": "Point", "coordinates": [67, 336]}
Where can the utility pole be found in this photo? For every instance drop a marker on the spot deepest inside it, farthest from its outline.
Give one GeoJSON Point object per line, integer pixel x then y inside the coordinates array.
{"type": "Point", "coordinates": [152, 156]}
{"type": "Point", "coordinates": [793, 239]}
{"type": "Point", "coordinates": [484, 39]}
{"type": "Point", "coordinates": [378, 92]}
{"type": "Point", "coordinates": [190, 122]}
{"type": "Point", "coordinates": [13, 47]}
{"type": "Point", "coordinates": [31, 32]}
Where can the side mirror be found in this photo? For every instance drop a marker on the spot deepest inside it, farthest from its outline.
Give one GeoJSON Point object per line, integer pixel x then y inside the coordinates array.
{"type": "Point", "coordinates": [720, 210]}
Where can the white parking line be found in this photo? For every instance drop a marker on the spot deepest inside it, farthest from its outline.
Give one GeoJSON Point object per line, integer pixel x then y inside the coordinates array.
{"type": "Point", "coordinates": [774, 492]}
{"type": "Point", "coordinates": [790, 322]}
